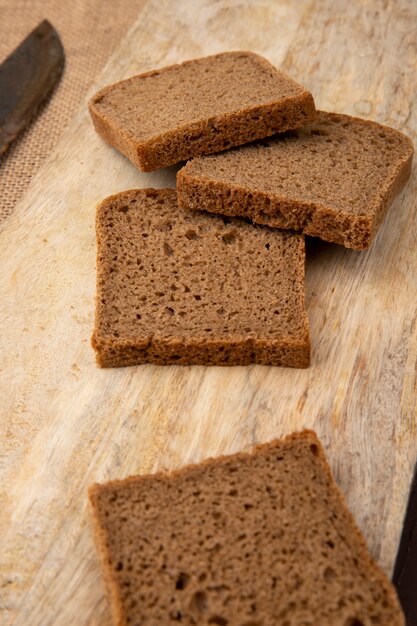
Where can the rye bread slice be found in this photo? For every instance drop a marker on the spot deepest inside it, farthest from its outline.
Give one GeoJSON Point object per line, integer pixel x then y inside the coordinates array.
{"type": "Point", "coordinates": [260, 539]}
{"type": "Point", "coordinates": [333, 179]}
{"type": "Point", "coordinates": [199, 107]}
{"type": "Point", "coordinates": [185, 288]}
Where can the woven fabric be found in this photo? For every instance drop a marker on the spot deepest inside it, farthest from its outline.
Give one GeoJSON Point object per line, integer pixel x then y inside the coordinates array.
{"type": "Point", "coordinates": [90, 30]}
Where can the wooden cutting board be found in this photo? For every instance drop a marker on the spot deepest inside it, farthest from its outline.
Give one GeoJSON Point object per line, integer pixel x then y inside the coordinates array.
{"type": "Point", "coordinates": [68, 424]}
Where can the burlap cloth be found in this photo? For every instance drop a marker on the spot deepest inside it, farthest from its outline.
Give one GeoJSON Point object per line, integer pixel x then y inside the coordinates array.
{"type": "Point", "coordinates": [90, 30]}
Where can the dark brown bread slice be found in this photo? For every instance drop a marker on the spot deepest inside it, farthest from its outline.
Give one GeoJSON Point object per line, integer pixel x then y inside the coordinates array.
{"type": "Point", "coordinates": [181, 287]}
{"type": "Point", "coordinates": [334, 179]}
{"type": "Point", "coordinates": [261, 539]}
{"type": "Point", "coordinates": [199, 107]}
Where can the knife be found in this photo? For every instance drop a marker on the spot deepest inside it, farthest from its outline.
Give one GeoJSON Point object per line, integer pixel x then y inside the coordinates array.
{"type": "Point", "coordinates": [405, 570]}
{"type": "Point", "coordinates": [27, 77]}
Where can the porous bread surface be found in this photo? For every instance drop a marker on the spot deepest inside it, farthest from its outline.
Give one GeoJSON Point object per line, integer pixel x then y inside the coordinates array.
{"type": "Point", "coordinates": [201, 106]}
{"type": "Point", "coordinates": [261, 539]}
{"type": "Point", "coordinates": [333, 179]}
{"type": "Point", "coordinates": [175, 286]}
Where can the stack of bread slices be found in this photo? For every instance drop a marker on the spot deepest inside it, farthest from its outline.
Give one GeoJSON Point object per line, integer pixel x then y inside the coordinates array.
{"type": "Point", "coordinates": [214, 272]}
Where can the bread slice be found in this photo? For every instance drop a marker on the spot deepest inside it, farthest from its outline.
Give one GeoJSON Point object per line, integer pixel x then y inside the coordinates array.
{"type": "Point", "coordinates": [260, 539]}
{"type": "Point", "coordinates": [334, 179]}
{"type": "Point", "coordinates": [181, 287]}
{"type": "Point", "coordinates": [199, 107]}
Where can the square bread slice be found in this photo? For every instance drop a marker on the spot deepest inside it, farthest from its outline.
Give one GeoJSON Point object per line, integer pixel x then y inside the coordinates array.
{"type": "Point", "coordinates": [198, 107]}
{"type": "Point", "coordinates": [260, 539]}
{"type": "Point", "coordinates": [334, 179]}
{"type": "Point", "coordinates": [175, 286]}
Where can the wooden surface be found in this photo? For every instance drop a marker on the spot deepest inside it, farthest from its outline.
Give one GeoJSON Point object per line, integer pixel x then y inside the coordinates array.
{"type": "Point", "coordinates": [68, 424]}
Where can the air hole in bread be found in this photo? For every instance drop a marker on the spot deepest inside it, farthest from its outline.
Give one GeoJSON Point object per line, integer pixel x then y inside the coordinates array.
{"type": "Point", "coordinates": [182, 581]}
{"type": "Point", "coordinates": [329, 573]}
{"type": "Point", "coordinates": [199, 602]}
{"type": "Point", "coordinates": [167, 249]}
{"type": "Point", "coordinates": [229, 237]}
{"type": "Point", "coordinates": [314, 449]}
{"type": "Point", "coordinates": [176, 616]}
{"type": "Point", "coordinates": [191, 234]}
{"type": "Point", "coordinates": [217, 619]}
{"type": "Point", "coordinates": [164, 224]}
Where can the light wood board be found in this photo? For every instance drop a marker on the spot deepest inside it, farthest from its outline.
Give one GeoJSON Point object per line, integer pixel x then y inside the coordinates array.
{"type": "Point", "coordinates": [67, 424]}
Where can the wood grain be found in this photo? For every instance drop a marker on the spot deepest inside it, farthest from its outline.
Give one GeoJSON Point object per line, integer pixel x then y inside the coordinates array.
{"type": "Point", "coordinates": [67, 424]}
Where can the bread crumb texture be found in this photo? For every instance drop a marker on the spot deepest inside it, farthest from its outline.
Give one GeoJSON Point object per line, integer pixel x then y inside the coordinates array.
{"type": "Point", "coordinates": [176, 286]}
{"type": "Point", "coordinates": [261, 539]}
{"type": "Point", "coordinates": [332, 179]}
{"type": "Point", "coordinates": [198, 107]}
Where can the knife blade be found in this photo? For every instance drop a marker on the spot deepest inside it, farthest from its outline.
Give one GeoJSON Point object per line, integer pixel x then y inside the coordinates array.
{"type": "Point", "coordinates": [27, 77]}
{"type": "Point", "coordinates": [405, 570]}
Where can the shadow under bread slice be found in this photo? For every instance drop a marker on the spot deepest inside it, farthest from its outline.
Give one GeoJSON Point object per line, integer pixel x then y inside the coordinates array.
{"type": "Point", "coordinates": [177, 287]}
{"type": "Point", "coordinates": [333, 179]}
{"type": "Point", "coordinates": [258, 539]}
